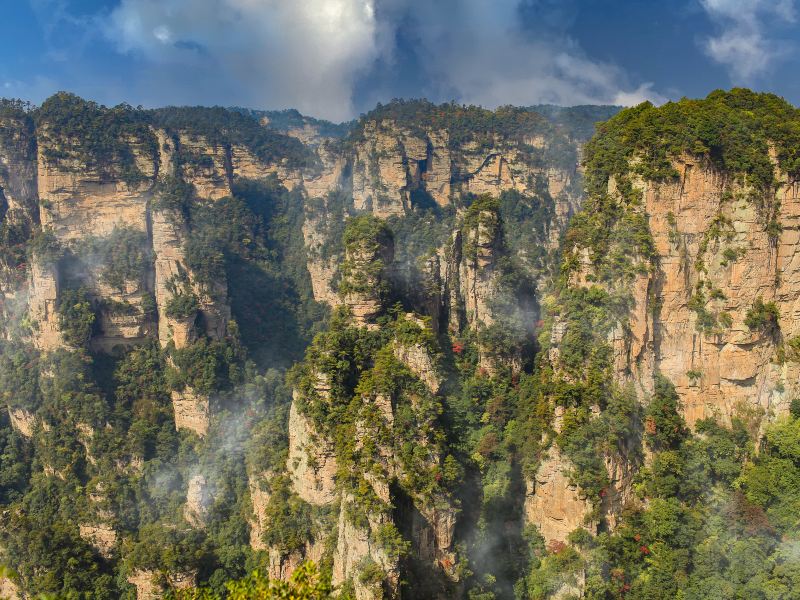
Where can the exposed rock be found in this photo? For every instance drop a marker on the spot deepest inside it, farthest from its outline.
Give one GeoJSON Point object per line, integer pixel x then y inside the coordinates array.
{"type": "Point", "coordinates": [434, 537]}
{"type": "Point", "coordinates": [152, 585]}
{"type": "Point", "coordinates": [390, 162]}
{"type": "Point", "coordinates": [169, 233]}
{"type": "Point", "coordinates": [312, 462]}
{"type": "Point", "coordinates": [77, 202]}
{"type": "Point", "coordinates": [208, 167]}
{"type": "Point", "coordinates": [42, 305]}
{"type": "Point", "coordinates": [191, 411]}
{"type": "Point", "coordinates": [259, 499]}
{"type": "Point", "coordinates": [198, 501]}
{"type": "Point", "coordinates": [380, 177]}
{"type": "Point", "coordinates": [552, 503]}
{"type": "Point", "coordinates": [100, 535]}
{"type": "Point", "coordinates": [418, 359]}
{"type": "Point", "coordinates": [85, 437]}
{"type": "Point", "coordinates": [9, 590]}
{"type": "Point", "coordinates": [476, 268]}
{"type": "Point", "coordinates": [355, 549]}
{"type": "Point", "coordinates": [281, 565]}
{"type": "Point", "coordinates": [321, 268]}
{"type": "Point", "coordinates": [18, 171]}
{"type": "Point", "coordinates": [363, 281]}
{"type": "Point", "coordinates": [22, 421]}
{"type": "Point", "coordinates": [330, 177]}
{"type": "Point", "coordinates": [709, 237]}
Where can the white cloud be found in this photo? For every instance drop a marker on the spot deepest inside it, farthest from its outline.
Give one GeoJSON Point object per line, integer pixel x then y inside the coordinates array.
{"type": "Point", "coordinates": [480, 50]}
{"type": "Point", "coordinates": [743, 44]}
{"type": "Point", "coordinates": [314, 55]}
{"type": "Point", "coordinates": [162, 34]}
{"type": "Point", "coordinates": [307, 54]}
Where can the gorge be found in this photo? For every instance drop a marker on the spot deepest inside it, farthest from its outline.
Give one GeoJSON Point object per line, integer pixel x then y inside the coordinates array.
{"type": "Point", "coordinates": [436, 352]}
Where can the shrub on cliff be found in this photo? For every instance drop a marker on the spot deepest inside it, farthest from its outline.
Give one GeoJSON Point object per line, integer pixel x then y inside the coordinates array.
{"type": "Point", "coordinates": [762, 315]}
{"type": "Point", "coordinates": [733, 129]}
{"type": "Point", "coordinates": [76, 316]}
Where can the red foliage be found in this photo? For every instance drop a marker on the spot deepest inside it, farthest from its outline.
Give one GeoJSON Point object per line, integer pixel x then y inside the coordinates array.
{"type": "Point", "coordinates": [752, 517]}
{"type": "Point", "coordinates": [488, 444]}
{"type": "Point", "coordinates": [556, 546]}
{"type": "Point", "coordinates": [644, 549]}
{"type": "Point", "coordinates": [458, 347]}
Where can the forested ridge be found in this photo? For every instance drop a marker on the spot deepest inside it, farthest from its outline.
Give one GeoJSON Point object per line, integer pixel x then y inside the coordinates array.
{"type": "Point", "coordinates": [401, 440]}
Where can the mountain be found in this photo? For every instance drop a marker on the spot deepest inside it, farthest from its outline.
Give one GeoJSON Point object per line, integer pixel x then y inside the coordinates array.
{"type": "Point", "coordinates": [440, 351]}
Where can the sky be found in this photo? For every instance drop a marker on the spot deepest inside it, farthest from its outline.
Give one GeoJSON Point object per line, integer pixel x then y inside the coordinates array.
{"type": "Point", "coordinates": [335, 59]}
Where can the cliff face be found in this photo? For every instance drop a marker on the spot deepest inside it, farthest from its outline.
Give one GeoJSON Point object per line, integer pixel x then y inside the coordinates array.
{"type": "Point", "coordinates": [143, 233]}
{"type": "Point", "coordinates": [716, 261]}
{"type": "Point", "coordinates": [394, 165]}
{"type": "Point", "coordinates": [716, 256]}
{"type": "Point", "coordinates": [158, 277]}
{"type": "Point", "coordinates": [367, 478]}
{"type": "Point", "coordinates": [679, 278]}
{"type": "Point", "coordinates": [19, 212]}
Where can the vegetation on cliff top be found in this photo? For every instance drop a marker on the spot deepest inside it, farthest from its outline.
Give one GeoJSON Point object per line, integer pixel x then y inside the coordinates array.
{"type": "Point", "coordinates": [462, 122]}
{"type": "Point", "coordinates": [226, 127]}
{"type": "Point", "coordinates": [709, 517]}
{"type": "Point", "coordinates": [97, 137]}
{"type": "Point", "coordinates": [735, 130]}
{"type": "Point", "coordinates": [109, 139]}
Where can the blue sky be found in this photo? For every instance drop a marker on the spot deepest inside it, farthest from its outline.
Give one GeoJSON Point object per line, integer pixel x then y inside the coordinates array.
{"type": "Point", "coordinates": [337, 58]}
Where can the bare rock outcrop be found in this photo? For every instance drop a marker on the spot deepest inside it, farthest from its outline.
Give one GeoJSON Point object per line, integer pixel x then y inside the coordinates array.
{"type": "Point", "coordinates": [259, 500]}
{"type": "Point", "coordinates": [9, 590]}
{"type": "Point", "coordinates": [375, 574]}
{"type": "Point", "coordinates": [152, 585]}
{"type": "Point", "coordinates": [198, 501]}
{"type": "Point", "coordinates": [100, 535]}
{"type": "Point", "coordinates": [191, 411]}
{"type": "Point", "coordinates": [23, 421]}
{"type": "Point", "coordinates": [312, 461]}
{"type": "Point", "coordinates": [43, 303]}
{"type": "Point", "coordinates": [205, 165]}
{"type": "Point", "coordinates": [552, 503]}
{"type": "Point", "coordinates": [368, 257]}
{"type": "Point", "coordinates": [393, 162]}
{"type": "Point", "coordinates": [716, 260]}
{"type": "Point", "coordinates": [419, 361]}
{"type": "Point", "coordinates": [478, 251]}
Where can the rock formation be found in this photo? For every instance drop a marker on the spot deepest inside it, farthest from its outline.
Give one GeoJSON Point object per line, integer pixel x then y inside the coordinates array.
{"type": "Point", "coordinates": [368, 461]}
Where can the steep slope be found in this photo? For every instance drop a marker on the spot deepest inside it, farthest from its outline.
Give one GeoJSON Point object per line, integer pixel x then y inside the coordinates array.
{"type": "Point", "coordinates": [668, 356]}
{"type": "Point", "coordinates": [418, 158]}
{"type": "Point", "coordinates": [704, 235]}
{"type": "Point", "coordinates": [161, 270]}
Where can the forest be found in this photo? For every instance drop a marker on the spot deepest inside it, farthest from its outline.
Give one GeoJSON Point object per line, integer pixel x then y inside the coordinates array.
{"type": "Point", "coordinates": [431, 395]}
